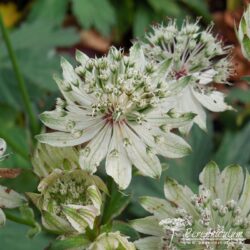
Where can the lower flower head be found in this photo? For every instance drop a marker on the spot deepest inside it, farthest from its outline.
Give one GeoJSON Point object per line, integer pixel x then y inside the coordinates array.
{"type": "Point", "coordinates": [111, 241]}
{"type": "Point", "coordinates": [69, 200]}
{"type": "Point", "coordinates": [221, 206]}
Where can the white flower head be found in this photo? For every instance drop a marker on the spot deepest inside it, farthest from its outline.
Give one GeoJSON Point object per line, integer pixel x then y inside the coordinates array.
{"type": "Point", "coordinates": [114, 104]}
{"type": "Point", "coordinates": [222, 204]}
{"type": "Point", "coordinates": [197, 53]}
{"type": "Point", "coordinates": [69, 201]}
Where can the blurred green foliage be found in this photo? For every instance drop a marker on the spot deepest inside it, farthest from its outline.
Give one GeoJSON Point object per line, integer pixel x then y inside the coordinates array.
{"type": "Point", "coordinates": [119, 17]}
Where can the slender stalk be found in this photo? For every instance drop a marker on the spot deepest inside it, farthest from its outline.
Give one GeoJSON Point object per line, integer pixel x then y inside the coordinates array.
{"type": "Point", "coordinates": [17, 219]}
{"type": "Point", "coordinates": [24, 93]}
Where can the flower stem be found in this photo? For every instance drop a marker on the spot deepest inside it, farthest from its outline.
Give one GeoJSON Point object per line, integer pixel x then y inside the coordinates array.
{"type": "Point", "coordinates": [18, 220]}
{"type": "Point", "coordinates": [25, 96]}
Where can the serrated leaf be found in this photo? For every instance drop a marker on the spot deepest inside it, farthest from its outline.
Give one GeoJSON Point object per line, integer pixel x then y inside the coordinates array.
{"type": "Point", "coordinates": [95, 13]}
{"type": "Point", "coordinates": [49, 10]}
{"type": "Point", "coordinates": [36, 57]}
{"type": "Point", "coordinates": [42, 35]}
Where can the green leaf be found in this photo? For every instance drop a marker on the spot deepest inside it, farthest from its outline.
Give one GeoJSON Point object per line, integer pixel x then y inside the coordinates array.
{"type": "Point", "coordinates": [37, 58]}
{"type": "Point", "coordinates": [234, 148]}
{"type": "Point", "coordinates": [95, 13]}
{"type": "Point", "coordinates": [200, 8]}
{"type": "Point", "coordinates": [78, 242]}
{"type": "Point", "coordinates": [124, 11]}
{"type": "Point", "coordinates": [142, 19]}
{"type": "Point", "coordinates": [7, 86]}
{"type": "Point", "coordinates": [15, 137]}
{"type": "Point", "coordinates": [115, 203]}
{"type": "Point", "coordinates": [41, 35]}
{"type": "Point", "coordinates": [239, 95]}
{"type": "Point", "coordinates": [49, 10]}
{"type": "Point", "coordinates": [13, 236]}
{"type": "Point", "coordinates": [125, 229]}
{"type": "Point", "coordinates": [169, 7]}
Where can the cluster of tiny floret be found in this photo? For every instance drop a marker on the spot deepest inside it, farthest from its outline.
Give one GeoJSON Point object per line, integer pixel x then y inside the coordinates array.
{"type": "Point", "coordinates": [66, 189]}
{"type": "Point", "coordinates": [192, 50]}
{"type": "Point", "coordinates": [118, 89]}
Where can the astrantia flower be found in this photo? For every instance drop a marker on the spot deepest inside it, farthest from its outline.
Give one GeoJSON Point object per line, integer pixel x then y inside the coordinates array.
{"type": "Point", "coordinates": [111, 241]}
{"type": "Point", "coordinates": [223, 203]}
{"type": "Point", "coordinates": [114, 104]}
{"type": "Point", "coordinates": [196, 53]}
{"type": "Point", "coordinates": [8, 197]}
{"type": "Point", "coordinates": [69, 201]}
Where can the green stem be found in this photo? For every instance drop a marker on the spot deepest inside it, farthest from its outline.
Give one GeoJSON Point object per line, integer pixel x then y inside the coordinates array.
{"type": "Point", "coordinates": [20, 80]}
{"type": "Point", "coordinates": [18, 220]}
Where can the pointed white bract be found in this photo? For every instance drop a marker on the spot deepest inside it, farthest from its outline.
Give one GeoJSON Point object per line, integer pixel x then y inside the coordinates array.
{"type": "Point", "coordinates": [243, 33]}
{"type": "Point", "coordinates": [46, 158]}
{"type": "Point", "coordinates": [113, 109]}
{"type": "Point", "coordinates": [197, 53]}
{"type": "Point", "coordinates": [223, 202]}
{"type": "Point", "coordinates": [69, 201]}
{"type": "Point", "coordinates": [112, 240]}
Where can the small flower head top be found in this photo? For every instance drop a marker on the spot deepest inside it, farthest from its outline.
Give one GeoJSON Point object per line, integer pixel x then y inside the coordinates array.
{"type": "Point", "coordinates": [113, 104]}
{"type": "Point", "coordinates": [8, 197]}
{"type": "Point", "coordinates": [69, 201]}
{"type": "Point", "coordinates": [111, 241]}
{"type": "Point", "coordinates": [46, 158]}
{"type": "Point", "coordinates": [243, 33]}
{"type": "Point", "coordinates": [195, 52]}
{"type": "Point", "coordinates": [222, 204]}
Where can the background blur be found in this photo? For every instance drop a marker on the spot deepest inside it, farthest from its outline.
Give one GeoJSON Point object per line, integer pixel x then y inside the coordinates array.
{"type": "Point", "coordinates": [43, 30]}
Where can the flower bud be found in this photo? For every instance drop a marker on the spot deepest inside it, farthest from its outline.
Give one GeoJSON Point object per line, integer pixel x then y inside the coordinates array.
{"type": "Point", "coordinates": [69, 201]}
